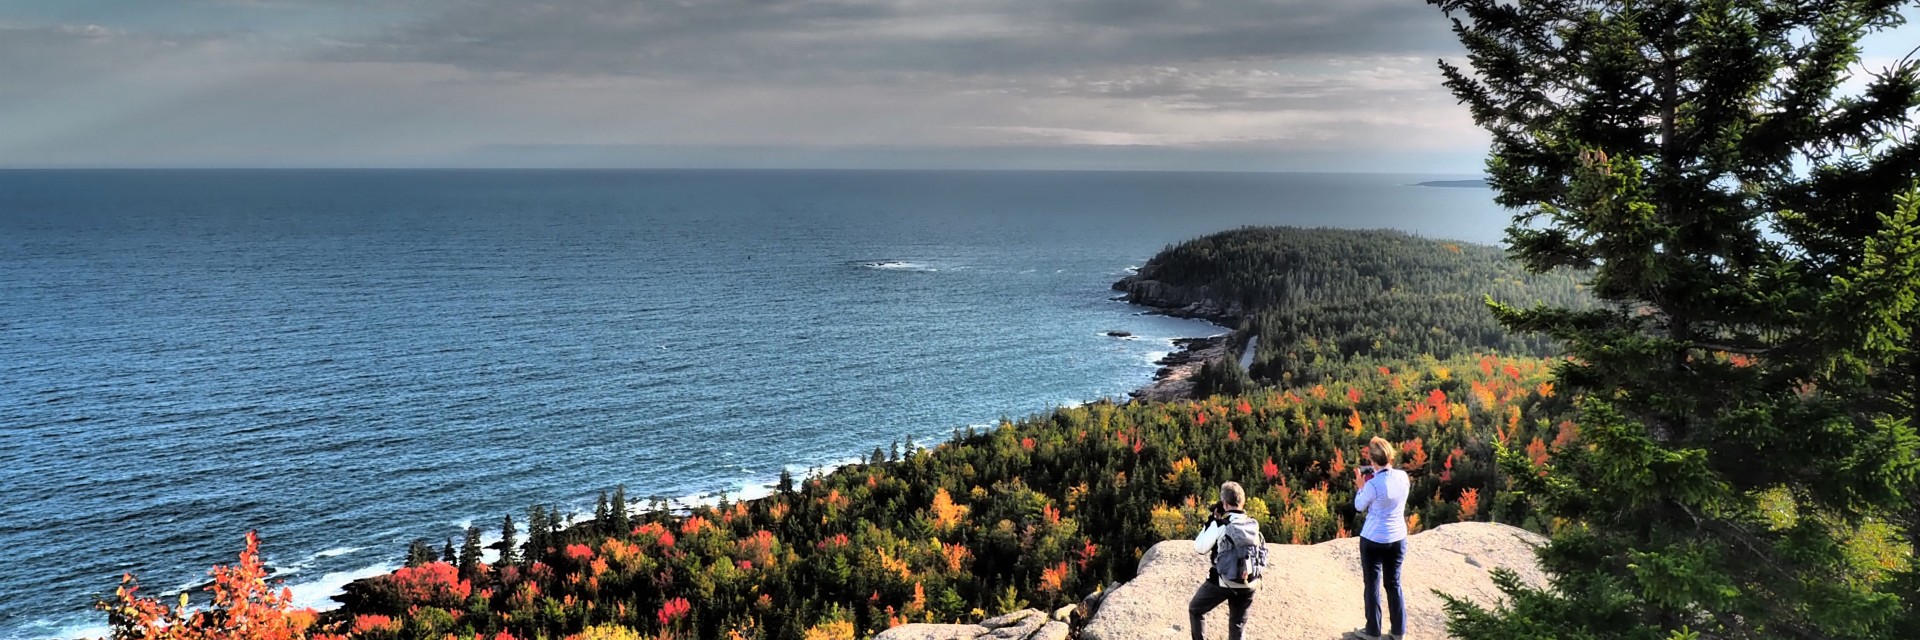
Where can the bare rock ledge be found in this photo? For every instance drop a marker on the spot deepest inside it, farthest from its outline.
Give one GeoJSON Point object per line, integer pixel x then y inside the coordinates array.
{"type": "Point", "coordinates": [933, 632]}
{"type": "Point", "coordinates": [1313, 592]}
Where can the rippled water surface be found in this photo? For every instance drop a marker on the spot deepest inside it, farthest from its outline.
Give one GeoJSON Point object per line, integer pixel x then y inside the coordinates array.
{"type": "Point", "coordinates": [347, 361]}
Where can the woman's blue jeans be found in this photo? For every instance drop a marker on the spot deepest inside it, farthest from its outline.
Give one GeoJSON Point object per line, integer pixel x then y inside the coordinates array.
{"type": "Point", "coordinates": [1381, 563]}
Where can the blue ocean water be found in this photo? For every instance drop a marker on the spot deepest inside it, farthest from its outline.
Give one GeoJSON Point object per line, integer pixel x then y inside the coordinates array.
{"type": "Point", "coordinates": [348, 360]}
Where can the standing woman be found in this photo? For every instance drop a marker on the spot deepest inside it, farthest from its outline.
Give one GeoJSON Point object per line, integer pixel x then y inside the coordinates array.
{"type": "Point", "coordinates": [1383, 540]}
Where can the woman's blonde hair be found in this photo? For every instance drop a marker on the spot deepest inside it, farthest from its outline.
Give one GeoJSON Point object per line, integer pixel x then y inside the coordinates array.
{"type": "Point", "coordinates": [1379, 451]}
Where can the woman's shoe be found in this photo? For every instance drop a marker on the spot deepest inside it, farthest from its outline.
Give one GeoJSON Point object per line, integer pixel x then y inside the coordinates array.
{"type": "Point", "coordinates": [1361, 634]}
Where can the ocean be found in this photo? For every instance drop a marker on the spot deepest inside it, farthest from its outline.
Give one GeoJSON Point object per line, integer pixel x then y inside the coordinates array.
{"type": "Point", "coordinates": [349, 360]}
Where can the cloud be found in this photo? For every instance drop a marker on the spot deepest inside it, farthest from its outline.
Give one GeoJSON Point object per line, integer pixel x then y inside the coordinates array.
{"type": "Point", "coordinates": [819, 39]}
{"type": "Point", "coordinates": [456, 81]}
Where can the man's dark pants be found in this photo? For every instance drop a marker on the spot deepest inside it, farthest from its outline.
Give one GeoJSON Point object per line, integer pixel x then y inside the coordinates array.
{"type": "Point", "coordinates": [1210, 595]}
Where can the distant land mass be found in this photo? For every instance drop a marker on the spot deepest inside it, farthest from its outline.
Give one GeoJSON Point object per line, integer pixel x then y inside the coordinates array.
{"type": "Point", "coordinates": [1476, 183]}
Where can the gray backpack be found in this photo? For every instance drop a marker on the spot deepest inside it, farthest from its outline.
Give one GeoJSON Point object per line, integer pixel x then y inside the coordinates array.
{"type": "Point", "coordinates": [1240, 557]}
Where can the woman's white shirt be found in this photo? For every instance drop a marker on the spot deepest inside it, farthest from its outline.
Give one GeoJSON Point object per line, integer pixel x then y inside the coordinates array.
{"type": "Point", "coordinates": [1384, 499]}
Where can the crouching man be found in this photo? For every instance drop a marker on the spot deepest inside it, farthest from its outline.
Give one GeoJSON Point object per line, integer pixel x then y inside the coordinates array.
{"type": "Point", "coordinates": [1239, 555]}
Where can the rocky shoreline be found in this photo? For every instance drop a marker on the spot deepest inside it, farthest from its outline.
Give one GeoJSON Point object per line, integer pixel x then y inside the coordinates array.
{"type": "Point", "coordinates": [1174, 380]}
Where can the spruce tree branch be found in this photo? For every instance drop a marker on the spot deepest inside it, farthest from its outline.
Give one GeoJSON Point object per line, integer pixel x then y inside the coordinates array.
{"type": "Point", "coordinates": [1746, 539]}
{"type": "Point", "coordinates": [1732, 348]}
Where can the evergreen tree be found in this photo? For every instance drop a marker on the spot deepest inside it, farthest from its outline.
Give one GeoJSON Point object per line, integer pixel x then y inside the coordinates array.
{"type": "Point", "coordinates": [537, 541]}
{"type": "Point", "coordinates": [1008, 600]}
{"type": "Point", "coordinates": [509, 548]}
{"type": "Point", "coordinates": [1221, 376]}
{"type": "Point", "coordinates": [1747, 382]}
{"type": "Point", "coordinates": [893, 452]}
{"type": "Point", "coordinates": [785, 485]}
{"type": "Point", "coordinates": [470, 553]}
{"type": "Point", "coordinates": [601, 513]}
{"type": "Point", "coordinates": [446, 553]}
{"type": "Point", "coordinates": [878, 456]}
{"type": "Point", "coordinates": [620, 522]}
{"type": "Point", "coordinates": [419, 552]}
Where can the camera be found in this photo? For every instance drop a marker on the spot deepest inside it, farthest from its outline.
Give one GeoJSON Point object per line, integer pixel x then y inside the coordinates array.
{"type": "Point", "coordinates": [1368, 471]}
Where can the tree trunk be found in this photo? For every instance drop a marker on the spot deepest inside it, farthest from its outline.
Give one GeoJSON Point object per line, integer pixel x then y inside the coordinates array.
{"type": "Point", "coordinates": [1678, 319]}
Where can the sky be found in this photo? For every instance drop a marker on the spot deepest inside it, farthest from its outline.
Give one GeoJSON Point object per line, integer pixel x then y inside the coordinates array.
{"type": "Point", "coordinates": [1260, 85]}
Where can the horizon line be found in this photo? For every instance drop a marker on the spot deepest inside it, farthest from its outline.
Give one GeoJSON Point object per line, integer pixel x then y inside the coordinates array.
{"type": "Point", "coordinates": [4, 168]}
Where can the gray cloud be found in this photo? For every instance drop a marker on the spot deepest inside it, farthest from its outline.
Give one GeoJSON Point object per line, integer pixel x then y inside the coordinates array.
{"type": "Point", "coordinates": [1256, 83]}
{"type": "Point", "coordinates": [459, 80]}
{"type": "Point", "coordinates": [809, 39]}
{"type": "Point", "coordinates": [1175, 55]}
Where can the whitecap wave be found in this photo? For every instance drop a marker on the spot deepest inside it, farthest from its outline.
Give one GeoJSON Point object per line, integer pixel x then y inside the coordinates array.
{"type": "Point", "coordinates": [319, 592]}
{"type": "Point", "coordinates": [735, 492]}
{"type": "Point", "coordinates": [68, 629]}
{"type": "Point", "coordinates": [899, 265]}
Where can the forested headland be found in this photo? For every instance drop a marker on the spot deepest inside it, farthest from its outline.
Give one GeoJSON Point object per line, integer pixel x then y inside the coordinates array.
{"type": "Point", "coordinates": [1321, 300]}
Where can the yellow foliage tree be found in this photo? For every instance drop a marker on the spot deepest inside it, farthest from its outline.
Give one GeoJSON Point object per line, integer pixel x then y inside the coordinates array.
{"type": "Point", "coordinates": [1180, 467]}
{"type": "Point", "coordinates": [1167, 522]}
{"type": "Point", "coordinates": [606, 632]}
{"type": "Point", "coordinates": [946, 513]}
{"type": "Point", "coordinates": [836, 630]}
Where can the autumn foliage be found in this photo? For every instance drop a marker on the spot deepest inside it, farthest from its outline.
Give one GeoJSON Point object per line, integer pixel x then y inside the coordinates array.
{"type": "Point", "coordinates": [975, 524]}
{"type": "Point", "coordinates": [244, 607]}
{"type": "Point", "coordinates": [1039, 511]}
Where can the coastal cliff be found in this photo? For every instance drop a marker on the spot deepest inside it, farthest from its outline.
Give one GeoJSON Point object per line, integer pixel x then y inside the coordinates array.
{"type": "Point", "coordinates": [1144, 289]}
{"type": "Point", "coordinates": [1175, 378]}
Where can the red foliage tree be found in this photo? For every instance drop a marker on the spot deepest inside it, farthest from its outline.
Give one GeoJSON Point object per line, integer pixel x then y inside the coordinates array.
{"type": "Point", "coordinates": [675, 609]}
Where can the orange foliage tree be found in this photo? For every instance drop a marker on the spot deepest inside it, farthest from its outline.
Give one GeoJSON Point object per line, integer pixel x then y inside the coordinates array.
{"type": "Point", "coordinates": [244, 607]}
